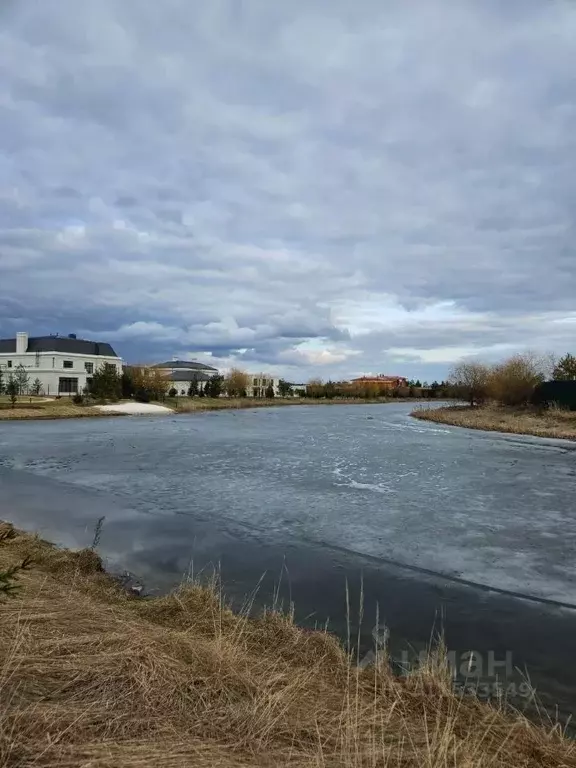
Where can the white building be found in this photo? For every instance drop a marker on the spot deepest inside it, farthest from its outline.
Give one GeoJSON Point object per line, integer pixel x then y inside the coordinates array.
{"type": "Point", "coordinates": [297, 390]}
{"type": "Point", "coordinates": [182, 374]}
{"type": "Point", "coordinates": [258, 383]}
{"type": "Point", "coordinates": [61, 364]}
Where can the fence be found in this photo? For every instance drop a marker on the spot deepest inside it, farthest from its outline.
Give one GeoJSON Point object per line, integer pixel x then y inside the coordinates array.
{"type": "Point", "coordinates": [559, 393]}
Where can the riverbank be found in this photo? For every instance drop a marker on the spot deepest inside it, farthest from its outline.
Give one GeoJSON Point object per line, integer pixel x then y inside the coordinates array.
{"type": "Point", "coordinates": [519, 421]}
{"type": "Point", "coordinates": [27, 408]}
{"type": "Point", "coordinates": [181, 680]}
{"type": "Point", "coordinates": [64, 408]}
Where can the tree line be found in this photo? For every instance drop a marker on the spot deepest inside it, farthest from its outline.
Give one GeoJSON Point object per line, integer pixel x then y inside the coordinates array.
{"type": "Point", "coordinates": [512, 381]}
{"type": "Point", "coordinates": [144, 384]}
{"type": "Point", "coordinates": [17, 383]}
{"type": "Point", "coordinates": [373, 390]}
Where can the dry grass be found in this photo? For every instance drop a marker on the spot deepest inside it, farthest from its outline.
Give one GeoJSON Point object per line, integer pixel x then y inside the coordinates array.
{"type": "Point", "coordinates": [90, 677]}
{"type": "Point", "coordinates": [193, 404]}
{"type": "Point", "coordinates": [39, 408]}
{"type": "Point", "coordinates": [520, 421]}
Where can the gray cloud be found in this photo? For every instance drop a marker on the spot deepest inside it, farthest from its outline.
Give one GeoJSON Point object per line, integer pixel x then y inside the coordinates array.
{"type": "Point", "coordinates": [305, 186]}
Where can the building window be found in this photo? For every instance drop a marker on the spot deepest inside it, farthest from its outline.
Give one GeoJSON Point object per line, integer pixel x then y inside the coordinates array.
{"type": "Point", "coordinates": [68, 364]}
{"type": "Point", "coordinates": [9, 363]}
{"type": "Point", "coordinates": [110, 366]}
{"type": "Point", "coordinates": [67, 386]}
{"type": "Point", "coordinates": [255, 382]}
{"type": "Point", "coordinates": [89, 367]}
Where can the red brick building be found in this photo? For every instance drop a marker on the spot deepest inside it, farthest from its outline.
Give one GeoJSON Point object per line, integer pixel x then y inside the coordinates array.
{"type": "Point", "coordinates": [384, 382]}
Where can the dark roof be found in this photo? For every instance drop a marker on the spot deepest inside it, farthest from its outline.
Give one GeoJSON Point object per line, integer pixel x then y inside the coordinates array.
{"type": "Point", "coordinates": [59, 344]}
{"type": "Point", "coordinates": [190, 365]}
{"type": "Point", "coordinates": [188, 376]}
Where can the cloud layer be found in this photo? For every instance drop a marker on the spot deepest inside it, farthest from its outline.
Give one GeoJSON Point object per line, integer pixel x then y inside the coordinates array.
{"type": "Point", "coordinates": [308, 188]}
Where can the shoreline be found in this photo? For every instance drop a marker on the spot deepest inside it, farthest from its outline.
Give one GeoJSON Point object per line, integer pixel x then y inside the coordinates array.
{"type": "Point", "coordinates": [182, 677]}
{"type": "Point", "coordinates": [560, 425]}
{"type": "Point", "coordinates": [43, 410]}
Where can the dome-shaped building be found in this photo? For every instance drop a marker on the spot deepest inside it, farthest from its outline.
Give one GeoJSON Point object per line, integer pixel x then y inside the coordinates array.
{"type": "Point", "coordinates": [182, 374]}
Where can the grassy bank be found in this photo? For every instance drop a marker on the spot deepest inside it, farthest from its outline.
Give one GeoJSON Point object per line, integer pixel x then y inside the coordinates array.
{"type": "Point", "coordinates": [520, 421]}
{"type": "Point", "coordinates": [93, 677]}
{"type": "Point", "coordinates": [40, 408]}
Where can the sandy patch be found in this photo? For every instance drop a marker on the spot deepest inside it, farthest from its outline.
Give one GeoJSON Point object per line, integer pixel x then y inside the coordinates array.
{"type": "Point", "coordinates": [137, 409]}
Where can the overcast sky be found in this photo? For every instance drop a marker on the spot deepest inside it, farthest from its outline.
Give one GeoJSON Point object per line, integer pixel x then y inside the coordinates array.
{"type": "Point", "coordinates": [313, 187]}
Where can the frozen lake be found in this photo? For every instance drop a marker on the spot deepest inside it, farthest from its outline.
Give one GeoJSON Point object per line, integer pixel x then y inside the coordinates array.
{"type": "Point", "coordinates": [434, 517]}
{"type": "Point", "coordinates": [495, 510]}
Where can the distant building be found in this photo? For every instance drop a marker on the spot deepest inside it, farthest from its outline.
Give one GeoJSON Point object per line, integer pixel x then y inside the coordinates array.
{"type": "Point", "coordinates": [182, 373]}
{"type": "Point", "coordinates": [258, 383]}
{"type": "Point", "coordinates": [385, 382]}
{"type": "Point", "coordinates": [297, 390]}
{"type": "Point", "coordinates": [61, 365]}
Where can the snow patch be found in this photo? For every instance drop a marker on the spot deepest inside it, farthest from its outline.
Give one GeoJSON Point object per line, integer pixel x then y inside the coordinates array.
{"type": "Point", "coordinates": [136, 409]}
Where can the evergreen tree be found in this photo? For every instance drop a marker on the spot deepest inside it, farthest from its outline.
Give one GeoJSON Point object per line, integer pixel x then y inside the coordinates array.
{"type": "Point", "coordinates": [105, 383]}
{"type": "Point", "coordinates": [12, 390]}
{"type": "Point", "coordinates": [214, 386]}
{"type": "Point", "coordinates": [284, 388]}
{"type": "Point", "coordinates": [565, 369]}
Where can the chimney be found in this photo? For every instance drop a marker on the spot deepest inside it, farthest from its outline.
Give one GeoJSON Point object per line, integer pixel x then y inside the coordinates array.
{"type": "Point", "coordinates": [21, 343]}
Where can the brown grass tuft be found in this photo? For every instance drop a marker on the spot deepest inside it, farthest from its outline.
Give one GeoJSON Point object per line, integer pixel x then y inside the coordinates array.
{"type": "Point", "coordinates": [92, 678]}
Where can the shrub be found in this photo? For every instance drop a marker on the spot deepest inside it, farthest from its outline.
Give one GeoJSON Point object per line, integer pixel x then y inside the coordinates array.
{"type": "Point", "coordinates": [142, 396]}
{"type": "Point", "coordinates": [172, 392]}
{"type": "Point", "coordinates": [513, 381]}
{"type": "Point", "coordinates": [78, 399]}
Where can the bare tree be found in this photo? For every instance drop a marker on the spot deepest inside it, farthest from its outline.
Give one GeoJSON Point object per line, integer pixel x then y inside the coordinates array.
{"type": "Point", "coordinates": [236, 383]}
{"type": "Point", "coordinates": [21, 378]}
{"type": "Point", "coordinates": [36, 388]}
{"type": "Point", "coordinates": [469, 380]}
{"type": "Point", "coordinates": [149, 383]}
{"type": "Point", "coordinates": [315, 388]}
